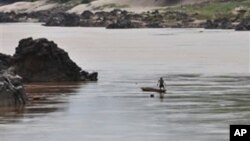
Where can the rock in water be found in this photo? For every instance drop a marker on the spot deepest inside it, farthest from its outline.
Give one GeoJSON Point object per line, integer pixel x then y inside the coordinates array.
{"type": "Point", "coordinates": [63, 19]}
{"type": "Point", "coordinates": [7, 17]}
{"type": "Point", "coordinates": [222, 23]}
{"type": "Point", "coordinates": [244, 25]}
{"type": "Point", "coordinates": [11, 90]}
{"type": "Point", "coordinates": [5, 61]}
{"type": "Point", "coordinates": [124, 24]}
{"type": "Point", "coordinates": [41, 60]}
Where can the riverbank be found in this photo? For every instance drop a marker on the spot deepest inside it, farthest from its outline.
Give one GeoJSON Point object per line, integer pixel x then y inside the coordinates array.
{"type": "Point", "coordinates": [120, 19]}
{"type": "Point", "coordinates": [213, 15]}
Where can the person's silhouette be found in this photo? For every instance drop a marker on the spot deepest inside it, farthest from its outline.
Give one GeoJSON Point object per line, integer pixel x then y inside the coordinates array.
{"type": "Point", "coordinates": [161, 84]}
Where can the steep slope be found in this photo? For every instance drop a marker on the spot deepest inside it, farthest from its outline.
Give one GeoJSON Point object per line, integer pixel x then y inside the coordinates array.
{"type": "Point", "coordinates": [27, 7]}
{"type": "Point", "coordinates": [78, 6]}
{"type": "Point", "coordinates": [151, 2]}
{"type": "Point", "coordinates": [130, 5]}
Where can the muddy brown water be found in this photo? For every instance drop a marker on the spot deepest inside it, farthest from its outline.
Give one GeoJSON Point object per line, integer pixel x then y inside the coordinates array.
{"type": "Point", "coordinates": [207, 73]}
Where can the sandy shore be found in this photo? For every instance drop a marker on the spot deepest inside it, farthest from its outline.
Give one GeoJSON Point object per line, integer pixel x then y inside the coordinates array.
{"type": "Point", "coordinates": [27, 7]}
{"type": "Point", "coordinates": [104, 5]}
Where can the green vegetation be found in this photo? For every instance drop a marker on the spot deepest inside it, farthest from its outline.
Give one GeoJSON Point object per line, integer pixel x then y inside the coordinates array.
{"type": "Point", "coordinates": [212, 10]}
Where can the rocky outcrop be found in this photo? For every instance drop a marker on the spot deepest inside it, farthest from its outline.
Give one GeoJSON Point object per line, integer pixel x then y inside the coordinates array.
{"type": "Point", "coordinates": [11, 89]}
{"type": "Point", "coordinates": [87, 15]}
{"type": "Point", "coordinates": [5, 62]}
{"type": "Point", "coordinates": [37, 60]}
{"type": "Point", "coordinates": [41, 60]}
{"type": "Point", "coordinates": [124, 19]}
{"type": "Point", "coordinates": [222, 23]}
{"type": "Point", "coordinates": [86, 19]}
{"type": "Point", "coordinates": [244, 25]}
{"type": "Point", "coordinates": [63, 19]}
{"type": "Point", "coordinates": [155, 19]}
{"type": "Point", "coordinates": [11, 17]}
{"type": "Point", "coordinates": [125, 23]}
{"type": "Point", "coordinates": [112, 20]}
{"type": "Point", "coordinates": [7, 17]}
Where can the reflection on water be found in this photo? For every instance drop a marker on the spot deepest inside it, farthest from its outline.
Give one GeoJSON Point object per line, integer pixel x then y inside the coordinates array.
{"type": "Point", "coordinates": [43, 98]}
{"type": "Point", "coordinates": [9, 114]}
{"type": "Point", "coordinates": [207, 76]}
{"type": "Point", "coordinates": [119, 110]}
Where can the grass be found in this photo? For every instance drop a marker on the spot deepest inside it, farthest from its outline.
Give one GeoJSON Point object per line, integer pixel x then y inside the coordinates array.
{"type": "Point", "coordinates": [212, 10]}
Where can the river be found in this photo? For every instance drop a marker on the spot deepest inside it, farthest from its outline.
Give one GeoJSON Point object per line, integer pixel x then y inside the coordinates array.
{"type": "Point", "coordinates": [206, 71]}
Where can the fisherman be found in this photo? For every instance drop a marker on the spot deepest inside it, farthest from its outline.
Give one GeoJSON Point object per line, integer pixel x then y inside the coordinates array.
{"type": "Point", "coordinates": [161, 84]}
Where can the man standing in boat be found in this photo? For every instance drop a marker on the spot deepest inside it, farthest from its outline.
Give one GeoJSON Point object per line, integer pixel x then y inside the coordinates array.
{"type": "Point", "coordinates": [161, 84]}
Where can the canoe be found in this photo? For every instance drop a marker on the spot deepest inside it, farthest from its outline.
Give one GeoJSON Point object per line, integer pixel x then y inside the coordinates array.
{"type": "Point", "coordinates": [149, 89]}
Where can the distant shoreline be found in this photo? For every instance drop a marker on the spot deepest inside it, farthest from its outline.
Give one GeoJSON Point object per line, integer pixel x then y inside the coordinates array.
{"type": "Point", "coordinates": [212, 15]}
{"type": "Point", "coordinates": [121, 19]}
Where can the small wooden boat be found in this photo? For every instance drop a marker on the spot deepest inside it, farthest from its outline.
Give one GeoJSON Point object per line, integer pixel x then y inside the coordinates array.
{"type": "Point", "coordinates": [150, 89]}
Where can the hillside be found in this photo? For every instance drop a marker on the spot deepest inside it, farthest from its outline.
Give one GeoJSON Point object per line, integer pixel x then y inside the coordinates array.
{"type": "Point", "coordinates": [134, 5]}
{"type": "Point", "coordinates": [78, 6]}
{"type": "Point", "coordinates": [129, 2]}
{"type": "Point", "coordinates": [212, 14]}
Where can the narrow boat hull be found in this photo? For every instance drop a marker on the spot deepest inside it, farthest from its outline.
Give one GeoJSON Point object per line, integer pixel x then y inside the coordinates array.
{"type": "Point", "coordinates": [149, 89]}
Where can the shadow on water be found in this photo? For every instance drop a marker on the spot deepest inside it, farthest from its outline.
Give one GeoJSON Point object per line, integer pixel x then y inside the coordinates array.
{"type": "Point", "coordinates": [43, 98]}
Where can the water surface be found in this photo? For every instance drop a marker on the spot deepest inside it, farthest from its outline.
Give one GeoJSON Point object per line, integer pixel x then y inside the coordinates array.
{"type": "Point", "coordinates": [207, 73]}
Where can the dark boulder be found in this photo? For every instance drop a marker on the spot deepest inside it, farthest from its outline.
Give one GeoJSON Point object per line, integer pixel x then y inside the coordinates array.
{"type": "Point", "coordinates": [41, 60]}
{"type": "Point", "coordinates": [116, 12]}
{"type": "Point", "coordinates": [209, 24]}
{"type": "Point", "coordinates": [102, 14]}
{"type": "Point", "coordinates": [63, 19]}
{"type": "Point", "coordinates": [89, 76]}
{"type": "Point", "coordinates": [41, 16]}
{"type": "Point", "coordinates": [124, 24]}
{"type": "Point", "coordinates": [11, 88]}
{"type": "Point", "coordinates": [222, 23]}
{"type": "Point", "coordinates": [8, 17]}
{"type": "Point", "coordinates": [5, 61]}
{"type": "Point", "coordinates": [244, 25]}
{"type": "Point", "coordinates": [87, 15]}
{"type": "Point", "coordinates": [155, 25]}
